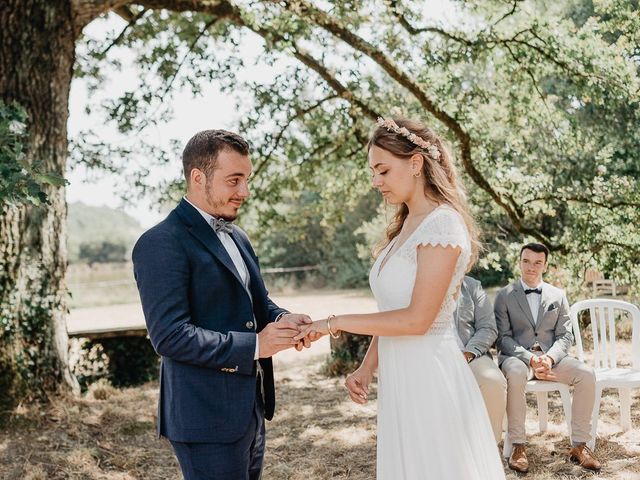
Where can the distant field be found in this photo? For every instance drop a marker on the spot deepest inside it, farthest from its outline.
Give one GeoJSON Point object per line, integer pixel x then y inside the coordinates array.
{"type": "Point", "coordinates": [113, 284]}
{"type": "Point", "coordinates": [102, 284]}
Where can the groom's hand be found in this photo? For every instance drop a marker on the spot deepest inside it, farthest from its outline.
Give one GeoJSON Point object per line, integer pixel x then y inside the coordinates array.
{"type": "Point", "coordinates": [277, 336]}
{"type": "Point", "coordinates": [300, 319]}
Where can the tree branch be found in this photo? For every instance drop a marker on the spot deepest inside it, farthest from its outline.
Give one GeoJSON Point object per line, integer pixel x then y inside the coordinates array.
{"type": "Point", "coordinates": [125, 13]}
{"type": "Point", "coordinates": [276, 143]}
{"type": "Point", "coordinates": [84, 11]}
{"type": "Point", "coordinates": [394, 6]}
{"type": "Point", "coordinates": [324, 20]}
{"type": "Point", "coordinates": [609, 206]}
{"type": "Point", "coordinates": [488, 42]}
{"type": "Point", "coordinates": [132, 20]}
{"type": "Point", "coordinates": [332, 81]}
{"type": "Point", "coordinates": [514, 7]}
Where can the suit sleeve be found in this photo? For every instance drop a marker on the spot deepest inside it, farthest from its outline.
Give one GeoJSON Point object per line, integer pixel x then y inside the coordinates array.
{"type": "Point", "coordinates": [485, 323]}
{"type": "Point", "coordinates": [161, 269]}
{"type": "Point", "coordinates": [563, 333]}
{"type": "Point", "coordinates": [506, 343]}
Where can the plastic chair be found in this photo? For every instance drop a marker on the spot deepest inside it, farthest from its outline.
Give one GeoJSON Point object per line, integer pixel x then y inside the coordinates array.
{"type": "Point", "coordinates": [608, 375]}
{"type": "Point", "coordinates": [541, 388]}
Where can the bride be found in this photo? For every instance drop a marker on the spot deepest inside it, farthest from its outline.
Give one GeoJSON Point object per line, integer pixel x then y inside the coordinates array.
{"type": "Point", "coordinates": [432, 422]}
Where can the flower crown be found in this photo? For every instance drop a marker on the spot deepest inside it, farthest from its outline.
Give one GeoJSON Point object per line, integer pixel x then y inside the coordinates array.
{"type": "Point", "coordinates": [392, 126]}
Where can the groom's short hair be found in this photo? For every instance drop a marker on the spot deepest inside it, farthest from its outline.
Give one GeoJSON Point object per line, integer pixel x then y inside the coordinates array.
{"type": "Point", "coordinates": [202, 150]}
{"type": "Point", "coordinates": [536, 247]}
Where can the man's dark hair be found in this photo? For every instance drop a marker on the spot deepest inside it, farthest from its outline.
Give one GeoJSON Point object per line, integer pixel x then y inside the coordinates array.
{"type": "Point", "coordinates": [536, 247]}
{"type": "Point", "coordinates": [202, 150]}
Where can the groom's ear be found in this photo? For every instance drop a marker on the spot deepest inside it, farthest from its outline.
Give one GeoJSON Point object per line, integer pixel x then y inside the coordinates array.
{"type": "Point", "coordinates": [197, 177]}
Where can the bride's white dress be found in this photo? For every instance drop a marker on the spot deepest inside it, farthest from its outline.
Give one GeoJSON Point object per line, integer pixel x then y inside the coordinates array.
{"type": "Point", "coordinates": [432, 422]}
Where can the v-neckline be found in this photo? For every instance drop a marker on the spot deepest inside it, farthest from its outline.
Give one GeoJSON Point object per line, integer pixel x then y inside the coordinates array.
{"type": "Point", "coordinates": [388, 255]}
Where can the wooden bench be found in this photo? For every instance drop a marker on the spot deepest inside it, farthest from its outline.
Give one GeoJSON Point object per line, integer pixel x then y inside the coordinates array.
{"type": "Point", "coordinates": [107, 322]}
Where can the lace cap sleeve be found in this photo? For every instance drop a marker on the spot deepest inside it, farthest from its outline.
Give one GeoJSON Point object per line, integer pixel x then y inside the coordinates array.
{"type": "Point", "coordinates": [444, 227]}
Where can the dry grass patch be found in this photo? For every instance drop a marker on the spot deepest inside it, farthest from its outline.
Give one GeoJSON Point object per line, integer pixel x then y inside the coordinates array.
{"type": "Point", "coordinates": [108, 434]}
{"type": "Point", "coordinates": [318, 434]}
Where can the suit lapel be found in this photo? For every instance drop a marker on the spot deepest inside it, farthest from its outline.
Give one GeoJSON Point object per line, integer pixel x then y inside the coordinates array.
{"type": "Point", "coordinates": [256, 285]}
{"type": "Point", "coordinates": [254, 274]}
{"type": "Point", "coordinates": [544, 300]}
{"type": "Point", "coordinates": [198, 227]}
{"type": "Point", "coordinates": [521, 298]}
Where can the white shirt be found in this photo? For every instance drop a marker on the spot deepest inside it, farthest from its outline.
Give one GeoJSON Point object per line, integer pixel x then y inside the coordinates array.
{"type": "Point", "coordinates": [232, 249]}
{"type": "Point", "coordinates": [533, 299]}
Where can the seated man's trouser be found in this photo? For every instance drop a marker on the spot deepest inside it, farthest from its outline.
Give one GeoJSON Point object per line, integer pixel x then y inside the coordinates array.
{"type": "Point", "coordinates": [569, 371]}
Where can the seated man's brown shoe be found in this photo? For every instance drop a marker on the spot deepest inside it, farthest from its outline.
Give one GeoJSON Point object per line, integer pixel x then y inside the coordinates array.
{"type": "Point", "coordinates": [583, 456]}
{"type": "Point", "coordinates": [518, 459]}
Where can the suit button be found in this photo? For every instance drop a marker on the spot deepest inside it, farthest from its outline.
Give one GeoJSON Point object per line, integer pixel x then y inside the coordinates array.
{"type": "Point", "coordinates": [249, 324]}
{"type": "Point", "coordinates": [535, 334]}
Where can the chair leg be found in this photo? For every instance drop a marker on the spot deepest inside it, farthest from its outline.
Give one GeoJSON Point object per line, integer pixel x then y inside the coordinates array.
{"type": "Point", "coordinates": [543, 410]}
{"type": "Point", "coordinates": [566, 406]}
{"type": "Point", "coordinates": [594, 418]}
{"type": "Point", "coordinates": [625, 408]}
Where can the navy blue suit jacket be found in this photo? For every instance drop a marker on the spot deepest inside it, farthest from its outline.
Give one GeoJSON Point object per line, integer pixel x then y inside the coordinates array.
{"type": "Point", "coordinates": [201, 322]}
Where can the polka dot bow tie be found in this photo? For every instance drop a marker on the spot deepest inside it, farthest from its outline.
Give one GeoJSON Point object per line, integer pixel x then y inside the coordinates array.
{"type": "Point", "coordinates": [221, 225]}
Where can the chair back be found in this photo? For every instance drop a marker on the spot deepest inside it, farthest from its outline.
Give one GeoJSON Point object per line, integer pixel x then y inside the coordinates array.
{"type": "Point", "coordinates": [602, 313]}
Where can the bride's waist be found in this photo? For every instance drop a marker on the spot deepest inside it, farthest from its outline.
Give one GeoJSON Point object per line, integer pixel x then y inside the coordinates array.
{"type": "Point", "coordinates": [438, 331]}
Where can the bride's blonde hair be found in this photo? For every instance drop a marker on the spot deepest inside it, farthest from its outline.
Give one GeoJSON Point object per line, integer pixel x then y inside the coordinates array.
{"type": "Point", "coordinates": [441, 184]}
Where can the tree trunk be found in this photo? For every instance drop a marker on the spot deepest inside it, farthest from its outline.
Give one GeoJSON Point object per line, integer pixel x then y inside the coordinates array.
{"type": "Point", "coordinates": [37, 51]}
{"type": "Point", "coordinates": [347, 353]}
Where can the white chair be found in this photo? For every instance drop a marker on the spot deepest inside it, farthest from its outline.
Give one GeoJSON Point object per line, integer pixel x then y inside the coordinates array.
{"type": "Point", "coordinates": [603, 313]}
{"type": "Point", "coordinates": [541, 389]}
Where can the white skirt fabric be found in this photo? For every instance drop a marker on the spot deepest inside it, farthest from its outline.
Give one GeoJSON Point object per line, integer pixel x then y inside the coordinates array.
{"type": "Point", "coordinates": [432, 422]}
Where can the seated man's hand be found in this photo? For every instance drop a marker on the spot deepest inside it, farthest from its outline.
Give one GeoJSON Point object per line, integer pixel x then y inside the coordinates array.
{"type": "Point", "coordinates": [543, 373]}
{"type": "Point", "coordinates": [547, 361]}
{"type": "Point", "coordinates": [541, 366]}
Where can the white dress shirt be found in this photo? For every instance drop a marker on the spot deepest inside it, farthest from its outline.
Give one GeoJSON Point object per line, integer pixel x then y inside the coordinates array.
{"type": "Point", "coordinates": [533, 299]}
{"type": "Point", "coordinates": [232, 249]}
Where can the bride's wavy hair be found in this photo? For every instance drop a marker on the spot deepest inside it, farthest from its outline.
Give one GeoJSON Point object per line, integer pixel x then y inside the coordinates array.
{"type": "Point", "coordinates": [441, 184]}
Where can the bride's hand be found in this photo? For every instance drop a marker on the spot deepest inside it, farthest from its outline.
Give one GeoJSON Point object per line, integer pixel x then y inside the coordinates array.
{"type": "Point", "coordinates": [314, 331]}
{"type": "Point", "coordinates": [357, 384]}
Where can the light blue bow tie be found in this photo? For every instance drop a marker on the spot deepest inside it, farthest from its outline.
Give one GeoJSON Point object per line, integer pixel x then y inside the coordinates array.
{"type": "Point", "coordinates": [221, 225]}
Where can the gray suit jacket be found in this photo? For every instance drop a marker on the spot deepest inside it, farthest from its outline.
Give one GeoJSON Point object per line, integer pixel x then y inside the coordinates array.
{"type": "Point", "coordinates": [517, 331]}
{"type": "Point", "coordinates": [474, 318]}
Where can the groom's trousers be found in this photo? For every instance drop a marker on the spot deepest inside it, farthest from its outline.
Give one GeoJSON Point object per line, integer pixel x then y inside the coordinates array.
{"type": "Point", "coordinates": [569, 371]}
{"type": "Point", "coordinates": [241, 460]}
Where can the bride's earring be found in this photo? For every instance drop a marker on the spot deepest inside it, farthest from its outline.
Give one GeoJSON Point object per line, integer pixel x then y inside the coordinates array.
{"type": "Point", "coordinates": [417, 174]}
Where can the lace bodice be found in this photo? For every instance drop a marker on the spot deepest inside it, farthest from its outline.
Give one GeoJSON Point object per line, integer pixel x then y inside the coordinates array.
{"type": "Point", "coordinates": [392, 285]}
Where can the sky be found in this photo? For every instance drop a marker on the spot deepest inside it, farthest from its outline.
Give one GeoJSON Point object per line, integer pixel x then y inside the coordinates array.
{"type": "Point", "coordinates": [211, 109]}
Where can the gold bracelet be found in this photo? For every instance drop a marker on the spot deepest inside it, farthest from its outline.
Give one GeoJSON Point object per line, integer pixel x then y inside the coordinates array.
{"type": "Point", "coordinates": [333, 335]}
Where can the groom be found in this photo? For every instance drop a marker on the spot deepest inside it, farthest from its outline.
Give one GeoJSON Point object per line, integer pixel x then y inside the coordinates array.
{"type": "Point", "coordinates": [534, 337]}
{"type": "Point", "coordinates": [210, 319]}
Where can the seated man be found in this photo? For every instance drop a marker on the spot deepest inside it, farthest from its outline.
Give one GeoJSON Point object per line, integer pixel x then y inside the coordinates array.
{"type": "Point", "coordinates": [477, 331]}
{"type": "Point", "coordinates": [534, 337]}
